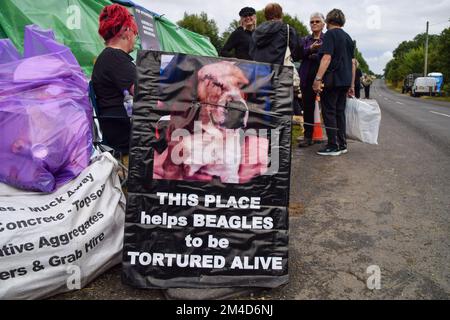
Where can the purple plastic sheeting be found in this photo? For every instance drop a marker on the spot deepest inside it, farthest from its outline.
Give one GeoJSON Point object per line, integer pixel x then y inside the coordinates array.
{"type": "Point", "coordinates": [45, 115]}
{"type": "Point", "coordinates": [8, 52]}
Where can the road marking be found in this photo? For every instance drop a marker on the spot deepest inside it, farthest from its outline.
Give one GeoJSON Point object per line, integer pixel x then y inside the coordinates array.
{"type": "Point", "coordinates": [399, 102]}
{"type": "Point", "coordinates": [441, 114]}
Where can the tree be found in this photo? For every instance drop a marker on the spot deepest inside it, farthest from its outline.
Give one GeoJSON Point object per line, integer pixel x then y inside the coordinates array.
{"type": "Point", "coordinates": [301, 31]}
{"type": "Point", "coordinates": [440, 57]}
{"type": "Point", "coordinates": [362, 62]}
{"type": "Point", "coordinates": [409, 56]}
{"type": "Point", "coordinates": [226, 34]}
{"type": "Point", "coordinates": [403, 48]}
{"type": "Point", "coordinates": [292, 21]}
{"type": "Point", "coordinates": [391, 71]}
{"type": "Point", "coordinates": [417, 42]}
{"type": "Point", "coordinates": [413, 61]}
{"type": "Point", "coordinates": [202, 25]}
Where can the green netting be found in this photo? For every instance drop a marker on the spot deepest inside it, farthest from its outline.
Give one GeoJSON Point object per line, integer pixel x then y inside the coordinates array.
{"type": "Point", "coordinates": [75, 23]}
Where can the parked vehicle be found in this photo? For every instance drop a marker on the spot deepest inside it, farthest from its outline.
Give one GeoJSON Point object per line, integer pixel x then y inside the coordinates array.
{"type": "Point", "coordinates": [440, 80]}
{"type": "Point", "coordinates": [424, 86]}
{"type": "Point", "coordinates": [408, 82]}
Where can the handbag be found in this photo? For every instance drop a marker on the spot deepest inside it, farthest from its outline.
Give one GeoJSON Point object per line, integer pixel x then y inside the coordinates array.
{"type": "Point", "coordinates": [366, 81]}
{"type": "Point", "coordinates": [288, 62]}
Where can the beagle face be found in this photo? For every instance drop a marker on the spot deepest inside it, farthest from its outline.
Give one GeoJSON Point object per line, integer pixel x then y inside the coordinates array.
{"type": "Point", "coordinates": [220, 93]}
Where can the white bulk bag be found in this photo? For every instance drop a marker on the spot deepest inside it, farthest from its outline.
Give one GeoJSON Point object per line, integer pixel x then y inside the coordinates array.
{"type": "Point", "coordinates": [57, 242]}
{"type": "Point", "coordinates": [362, 120]}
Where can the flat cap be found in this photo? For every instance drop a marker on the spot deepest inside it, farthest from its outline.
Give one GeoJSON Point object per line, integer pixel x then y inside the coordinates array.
{"type": "Point", "coordinates": [247, 11]}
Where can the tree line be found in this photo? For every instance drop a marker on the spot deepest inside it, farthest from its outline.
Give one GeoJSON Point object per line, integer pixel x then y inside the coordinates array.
{"type": "Point", "coordinates": [409, 57]}
{"type": "Point", "coordinates": [202, 24]}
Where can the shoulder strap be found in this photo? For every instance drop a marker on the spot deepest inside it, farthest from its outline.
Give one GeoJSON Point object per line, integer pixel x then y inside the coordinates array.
{"type": "Point", "coordinates": [287, 34]}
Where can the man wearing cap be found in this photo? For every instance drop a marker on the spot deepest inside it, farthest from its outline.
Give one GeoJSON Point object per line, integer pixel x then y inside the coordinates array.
{"type": "Point", "coordinates": [240, 39]}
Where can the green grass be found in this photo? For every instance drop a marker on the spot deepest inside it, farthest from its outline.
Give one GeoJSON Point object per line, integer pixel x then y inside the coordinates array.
{"type": "Point", "coordinates": [297, 131]}
{"type": "Point", "coordinates": [391, 86]}
{"type": "Point", "coordinates": [398, 89]}
{"type": "Point", "coordinates": [446, 99]}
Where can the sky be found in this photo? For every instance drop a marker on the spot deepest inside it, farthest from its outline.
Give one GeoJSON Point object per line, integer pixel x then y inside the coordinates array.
{"type": "Point", "coordinates": [378, 26]}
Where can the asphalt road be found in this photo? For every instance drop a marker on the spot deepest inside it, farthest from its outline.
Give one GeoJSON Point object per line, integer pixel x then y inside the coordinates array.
{"type": "Point", "coordinates": [385, 205]}
{"type": "Point", "coordinates": [430, 118]}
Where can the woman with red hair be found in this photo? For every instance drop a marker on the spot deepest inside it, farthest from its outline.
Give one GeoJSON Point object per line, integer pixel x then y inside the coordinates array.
{"type": "Point", "coordinates": [114, 73]}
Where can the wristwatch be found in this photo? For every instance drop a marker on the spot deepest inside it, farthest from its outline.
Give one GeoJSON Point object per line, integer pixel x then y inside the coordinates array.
{"type": "Point", "coordinates": [317, 79]}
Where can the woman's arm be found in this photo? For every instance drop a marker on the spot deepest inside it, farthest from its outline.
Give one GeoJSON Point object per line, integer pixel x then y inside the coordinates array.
{"type": "Point", "coordinates": [351, 90]}
{"type": "Point", "coordinates": [324, 64]}
{"type": "Point", "coordinates": [294, 44]}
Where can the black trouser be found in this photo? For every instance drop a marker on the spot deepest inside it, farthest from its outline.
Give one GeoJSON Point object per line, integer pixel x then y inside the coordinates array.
{"type": "Point", "coordinates": [116, 130]}
{"type": "Point", "coordinates": [308, 99]}
{"type": "Point", "coordinates": [358, 92]}
{"type": "Point", "coordinates": [333, 112]}
{"type": "Point", "coordinates": [367, 91]}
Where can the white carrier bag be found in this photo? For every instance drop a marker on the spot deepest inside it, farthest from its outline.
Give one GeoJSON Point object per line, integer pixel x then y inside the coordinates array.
{"type": "Point", "coordinates": [362, 120]}
{"type": "Point", "coordinates": [53, 243]}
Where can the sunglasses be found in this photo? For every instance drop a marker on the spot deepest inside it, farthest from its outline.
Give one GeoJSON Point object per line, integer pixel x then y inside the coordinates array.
{"type": "Point", "coordinates": [315, 22]}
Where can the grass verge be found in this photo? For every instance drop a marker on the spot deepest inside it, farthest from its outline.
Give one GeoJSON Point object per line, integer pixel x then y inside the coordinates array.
{"type": "Point", "coordinates": [446, 99]}
{"type": "Point", "coordinates": [391, 86]}
{"type": "Point", "coordinates": [297, 131]}
{"type": "Point", "coordinates": [398, 89]}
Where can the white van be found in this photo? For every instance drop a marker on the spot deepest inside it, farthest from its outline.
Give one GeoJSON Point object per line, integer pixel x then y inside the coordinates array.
{"type": "Point", "coordinates": [424, 85]}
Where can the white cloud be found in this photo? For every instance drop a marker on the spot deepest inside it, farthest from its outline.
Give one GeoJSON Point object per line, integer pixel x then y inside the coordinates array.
{"type": "Point", "coordinates": [378, 26]}
{"type": "Point", "coordinates": [378, 63]}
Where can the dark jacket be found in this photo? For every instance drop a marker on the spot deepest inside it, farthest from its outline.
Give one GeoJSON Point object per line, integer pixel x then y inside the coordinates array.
{"type": "Point", "coordinates": [310, 61]}
{"type": "Point", "coordinates": [239, 41]}
{"type": "Point", "coordinates": [113, 73]}
{"type": "Point", "coordinates": [340, 46]}
{"type": "Point", "coordinates": [269, 42]}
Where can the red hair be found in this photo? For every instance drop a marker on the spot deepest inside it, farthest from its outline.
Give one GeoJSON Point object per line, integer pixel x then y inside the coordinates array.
{"type": "Point", "coordinates": [113, 19]}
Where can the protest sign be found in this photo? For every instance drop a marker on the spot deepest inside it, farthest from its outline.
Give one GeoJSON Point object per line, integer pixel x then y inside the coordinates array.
{"type": "Point", "coordinates": [209, 173]}
{"type": "Point", "coordinates": [147, 29]}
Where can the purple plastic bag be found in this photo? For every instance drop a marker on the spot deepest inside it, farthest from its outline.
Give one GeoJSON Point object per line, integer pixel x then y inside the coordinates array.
{"type": "Point", "coordinates": [45, 115]}
{"type": "Point", "coordinates": [8, 52]}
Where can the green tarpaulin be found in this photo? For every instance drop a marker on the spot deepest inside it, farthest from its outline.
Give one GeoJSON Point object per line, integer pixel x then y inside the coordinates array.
{"type": "Point", "coordinates": [75, 23]}
{"type": "Point", "coordinates": [2, 33]}
{"type": "Point", "coordinates": [176, 39]}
